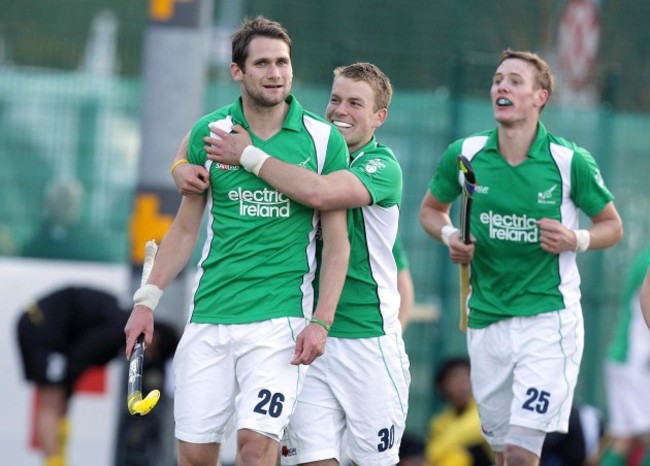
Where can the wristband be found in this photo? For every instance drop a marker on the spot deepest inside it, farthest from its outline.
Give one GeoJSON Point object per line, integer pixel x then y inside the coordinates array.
{"type": "Point", "coordinates": [583, 238]}
{"type": "Point", "coordinates": [252, 159]}
{"type": "Point", "coordinates": [446, 233]}
{"type": "Point", "coordinates": [148, 295]}
{"type": "Point", "coordinates": [322, 323]}
{"type": "Point", "coordinates": [177, 163]}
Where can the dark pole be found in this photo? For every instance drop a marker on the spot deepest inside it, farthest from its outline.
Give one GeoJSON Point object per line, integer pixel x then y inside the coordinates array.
{"type": "Point", "coordinates": [174, 79]}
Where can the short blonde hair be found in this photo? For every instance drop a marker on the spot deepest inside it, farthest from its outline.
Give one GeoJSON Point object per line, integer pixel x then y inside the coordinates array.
{"type": "Point", "coordinates": [379, 82]}
{"type": "Point", "coordinates": [544, 78]}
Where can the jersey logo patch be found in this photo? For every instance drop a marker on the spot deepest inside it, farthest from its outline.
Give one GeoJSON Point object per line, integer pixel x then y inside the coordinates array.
{"type": "Point", "coordinates": [373, 166]}
{"type": "Point", "coordinates": [546, 197]}
{"type": "Point", "coordinates": [223, 167]}
{"type": "Point", "coordinates": [286, 451]}
{"type": "Point", "coordinates": [599, 178]}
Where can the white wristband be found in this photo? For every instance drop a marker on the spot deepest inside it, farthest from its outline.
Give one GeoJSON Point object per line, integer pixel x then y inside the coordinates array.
{"type": "Point", "coordinates": [446, 233]}
{"type": "Point", "coordinates": [582, 240]}
{"type": "Point", "coordinates": [148, 295]}
{"type": "Point", "coordinates": [252, 159]}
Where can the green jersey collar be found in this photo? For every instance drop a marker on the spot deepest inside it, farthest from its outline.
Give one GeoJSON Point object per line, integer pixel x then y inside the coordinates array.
{"type": "Point", "coordinates": [372, 144]}
{"type": "Point", "coordinates": [535, 149]}
{"type": "Point", "coordinates": [293, 120]}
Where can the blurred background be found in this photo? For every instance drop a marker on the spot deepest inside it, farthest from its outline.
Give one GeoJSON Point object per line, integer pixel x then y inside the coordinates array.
{"type": "Point", "coordinates": [95, 96]}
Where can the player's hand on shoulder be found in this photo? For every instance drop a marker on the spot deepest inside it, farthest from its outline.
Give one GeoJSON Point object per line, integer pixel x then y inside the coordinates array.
{"type": "Point", "coordinates": [310, 344]}
{"type": "Point", "coordinates": [226, 147]}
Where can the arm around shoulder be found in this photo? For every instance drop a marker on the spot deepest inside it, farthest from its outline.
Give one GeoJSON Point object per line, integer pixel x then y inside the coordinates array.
{"type": "Point", "coordinates": [337, 190]}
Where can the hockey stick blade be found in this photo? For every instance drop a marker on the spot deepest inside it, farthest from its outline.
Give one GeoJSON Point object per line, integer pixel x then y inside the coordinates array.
{"type": "Point", "coordinates": [135, 403]}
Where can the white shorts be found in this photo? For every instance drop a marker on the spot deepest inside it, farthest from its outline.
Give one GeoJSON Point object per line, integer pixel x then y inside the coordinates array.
{"type": "Point", "coordinates": [359, 385]}
{"type": "Point", "coordinates": [627, 382]}
{"type": "Point", "coordinates": [524, 371]}
{"type": "Point", "coordinates": [220, 370]}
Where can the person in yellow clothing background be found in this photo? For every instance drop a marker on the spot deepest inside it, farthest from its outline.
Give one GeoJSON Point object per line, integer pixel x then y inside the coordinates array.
{"type": "Point", "coordinates": [454, 437]}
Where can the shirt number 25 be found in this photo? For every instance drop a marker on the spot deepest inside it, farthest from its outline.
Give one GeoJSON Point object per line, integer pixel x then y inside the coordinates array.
{"type": "Point", "coordinates": [537, 400]}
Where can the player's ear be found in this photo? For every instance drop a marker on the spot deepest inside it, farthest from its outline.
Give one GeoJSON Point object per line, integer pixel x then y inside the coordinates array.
{"type": "Point", "coordinates": [542, 97]}
{"type": "Point", "coordinates": [236, 72]}
{"type": "Point", "coordinates": [380, 117]}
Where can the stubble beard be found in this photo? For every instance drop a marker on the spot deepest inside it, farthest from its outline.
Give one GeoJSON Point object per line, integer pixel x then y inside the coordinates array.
{"type": "Point", "coordinates": [259, 99]}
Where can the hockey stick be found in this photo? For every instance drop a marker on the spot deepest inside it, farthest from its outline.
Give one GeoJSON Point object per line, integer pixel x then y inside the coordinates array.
{"type": "Point", "coordinates": [135, 403]}
{"type": "Point", "coordinates": [469, 184]}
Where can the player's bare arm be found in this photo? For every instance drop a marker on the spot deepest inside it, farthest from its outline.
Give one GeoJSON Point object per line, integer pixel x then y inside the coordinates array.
{"type": "Point", "coordinates": [407, 296]}
{"type": "Point", "coordinates": [605, 231]}
{"type": "Point", "coordinates": [190, 179]}
{"type": "Point", "coordinates": [174, 252]}
{"type": "Point", "coordinates": [434, 216]}
{"type": "Point", "coordinates": [310, 343]}
{"type": "Point", "coordinates": [644, 296]}
{"type": "Point", "coordinates": [337, 190]}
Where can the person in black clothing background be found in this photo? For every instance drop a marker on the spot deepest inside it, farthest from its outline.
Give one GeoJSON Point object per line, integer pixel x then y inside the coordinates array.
{"type": "Point", "coordinates": [60, 336]}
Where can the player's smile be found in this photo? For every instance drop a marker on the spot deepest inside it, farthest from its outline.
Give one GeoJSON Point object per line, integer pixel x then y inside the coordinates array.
{"type": "Point", "coordinates": [341, 124]}
{"type": "Point", "coordinates": [351, 110]}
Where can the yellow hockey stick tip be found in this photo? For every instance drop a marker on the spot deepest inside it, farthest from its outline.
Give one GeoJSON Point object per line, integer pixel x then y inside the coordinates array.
{"type": "Point", "coordinates": [146, 404]}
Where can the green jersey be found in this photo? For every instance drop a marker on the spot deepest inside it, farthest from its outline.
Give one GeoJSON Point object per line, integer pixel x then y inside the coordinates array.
{"type": "Point", "coordinates": [623, 341]}
{"type": "Point", "coordinates": [511, 275]}
{"type": "Point", "coordinates": [369, 303]}
{"type": "Point", "coordinates": [259, 256]}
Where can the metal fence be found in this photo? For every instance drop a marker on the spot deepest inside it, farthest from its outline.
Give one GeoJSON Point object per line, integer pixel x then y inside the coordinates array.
{"type": "Point", "coordinates": [61, 121]}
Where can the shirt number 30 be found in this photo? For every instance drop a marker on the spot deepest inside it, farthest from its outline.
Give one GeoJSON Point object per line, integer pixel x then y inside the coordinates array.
{"type": "Point", "coordinates": [386, 438]}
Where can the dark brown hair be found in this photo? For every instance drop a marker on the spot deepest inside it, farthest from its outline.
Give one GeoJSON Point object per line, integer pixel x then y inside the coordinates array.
{"type": "Point", "coordinates": [251, 28]}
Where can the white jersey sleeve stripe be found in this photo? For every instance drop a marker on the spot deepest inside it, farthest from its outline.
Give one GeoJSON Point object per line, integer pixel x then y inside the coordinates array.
{"type": "Point", "coordinates": [320, 133]}
{"type": "Point", "coordinates": [569, 274]}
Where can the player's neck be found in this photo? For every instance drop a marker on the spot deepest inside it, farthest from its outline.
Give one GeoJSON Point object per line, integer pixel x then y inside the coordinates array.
{"type": "Point", "coordinates": [515, 141]}
{"type": "Point", "coordinates": [265, 122]}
